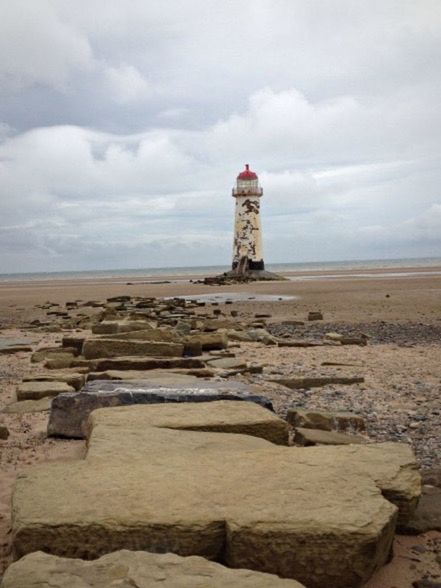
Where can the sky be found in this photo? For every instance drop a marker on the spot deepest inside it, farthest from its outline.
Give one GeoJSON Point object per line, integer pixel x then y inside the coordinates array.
{"type": "Point", "coordinates": [123, 126]}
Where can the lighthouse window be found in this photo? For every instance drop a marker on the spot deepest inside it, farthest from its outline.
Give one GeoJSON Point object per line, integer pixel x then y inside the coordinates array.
{"type": "Point", "coordinates": [247, 184]}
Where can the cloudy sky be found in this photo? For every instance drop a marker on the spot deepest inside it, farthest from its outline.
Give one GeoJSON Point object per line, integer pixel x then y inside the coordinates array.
{"type": "Point", "coordinates": [124, 124]}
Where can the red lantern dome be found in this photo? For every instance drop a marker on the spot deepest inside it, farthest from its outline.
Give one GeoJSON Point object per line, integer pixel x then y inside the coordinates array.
{"type": "Point", "coordinates": [247, 174]}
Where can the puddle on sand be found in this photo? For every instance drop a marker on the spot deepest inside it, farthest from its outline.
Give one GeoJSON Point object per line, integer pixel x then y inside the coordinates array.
{"type": "Point", "coordinates": [235, 297]}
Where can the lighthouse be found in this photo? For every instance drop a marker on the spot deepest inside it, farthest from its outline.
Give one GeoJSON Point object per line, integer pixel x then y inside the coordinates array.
{"type": "Point", "coordinates": [248, 265]}
{"type": "Point", "coordinates": [247, 248]}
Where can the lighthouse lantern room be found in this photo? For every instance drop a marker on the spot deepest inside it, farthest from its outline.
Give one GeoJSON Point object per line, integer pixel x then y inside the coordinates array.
{"type": "Point", "coordinates": [247, 250]}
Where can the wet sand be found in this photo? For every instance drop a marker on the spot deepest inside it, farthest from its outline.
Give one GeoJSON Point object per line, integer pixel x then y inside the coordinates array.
{"type": "Point", "coordinates": [394, 295]}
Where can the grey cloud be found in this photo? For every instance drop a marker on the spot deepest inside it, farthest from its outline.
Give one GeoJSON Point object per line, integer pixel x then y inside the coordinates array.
{"type": "Point", "coordinates": [123, 126]}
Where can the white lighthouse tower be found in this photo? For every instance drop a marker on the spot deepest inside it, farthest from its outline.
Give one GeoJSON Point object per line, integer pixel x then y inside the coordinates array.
{"type": "Point", "coordinates": [247, 249]}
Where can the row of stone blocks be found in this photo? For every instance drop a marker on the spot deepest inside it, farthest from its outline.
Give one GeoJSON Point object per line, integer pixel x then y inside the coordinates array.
{"type": "Point", "coordinates": [215, 480]}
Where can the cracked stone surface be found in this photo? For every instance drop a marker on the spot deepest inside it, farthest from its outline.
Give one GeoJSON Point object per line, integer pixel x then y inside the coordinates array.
{"type": "Point", "coordinates": [129, 569]}
{"type": "Point", "coordinates": [157, 478]}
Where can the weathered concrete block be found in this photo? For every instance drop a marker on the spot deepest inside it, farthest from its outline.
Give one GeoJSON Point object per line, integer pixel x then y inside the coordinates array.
{"type": "Point", "coordinates": [322, 515]}
{"type": "Point", "coordinates": [96, 348]}
{"type": "Point", "coordinates": [69, 412]}
{"type": "Point", "coordinates": [133, 568]}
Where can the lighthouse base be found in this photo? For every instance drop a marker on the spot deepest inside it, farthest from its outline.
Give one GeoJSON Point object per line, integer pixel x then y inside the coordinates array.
{"type": "Point", "coordinates": [251, 275]}
{"type": "Point", "coordinates": [246, 265]}
{"type": "Point", "coordinates": [234, 277]}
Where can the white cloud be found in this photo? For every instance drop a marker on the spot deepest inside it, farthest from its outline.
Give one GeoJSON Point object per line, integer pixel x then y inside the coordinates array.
{"type": "Point", "coordinates": [37, 47]}
{"type": "Point", "coordinates": [124, 125]}
{"type": "Point", "coordinates": [126, 84]}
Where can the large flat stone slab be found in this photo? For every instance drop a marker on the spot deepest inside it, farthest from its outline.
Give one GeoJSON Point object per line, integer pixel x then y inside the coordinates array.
{"type": "Point", "coordinates": [126, 569]}
{"type": "Point", "coordinates": [220, 416]}
{"type": "Point", "coordinates": [152, 482]}
{"type": "Point", "coordinates": [69, 412]}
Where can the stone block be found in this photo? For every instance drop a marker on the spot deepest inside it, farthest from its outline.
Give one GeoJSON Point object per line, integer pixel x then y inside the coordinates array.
{"type": "Point", "coordinates": [177, 373]}
{"type": "Point", "coordinates": [123, 326]}
{"type": "Point", "coordinates": [161, 376]}
{"type": "Point", "coordinates": [150, 334]}
{"type": "Point", "coordinates": [60, 362]}
{"type": "Point", "coordinates": [298, 343]}
{"type": "Point", "coordinates": [69, 412]}
{"type": "Point", "coordinates": [326, 421]}
{"type": "Point", "coordinates": [74, 342]}
{"type": "Point", "coordinates": [34, 390]}
{"type": "Point", "coordinates": [192, 347]}
{"type": "Point", "coordinates": [209, 341]}
{"type": "Point", "coordinates": [133, 568]}
{"type": "Point", "coordinates": [308, 437]}
{"type": "Point", "coordinates": [427, 516]}
{"type": "Point", "coordinates": [315, 315]}
{"type": "Point", "coordinates": [28, 406]}
{"type": "Point", "coordinates": [318, 381]}
{"type": "Point", "coordinates": [97, 348]}
{"type": "Point", "coordinates": [74, 379]}
{"type": "Point", "coordinates": [227, 363]}
{"type": "Point", "coordinates": [9, 345]}
{"type": "Point", "coordinates": [322, 515]}
{"type": "Point", "coordinates": [144, 363]}
{"type": "Point", "coordinates": [212, 325]}
{"type": "Point", "coordinates": [11, 349]}
{"type": "Point", "coordinates": [52, 353]}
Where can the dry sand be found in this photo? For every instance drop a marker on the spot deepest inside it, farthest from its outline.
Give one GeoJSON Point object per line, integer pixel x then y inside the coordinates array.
{"type": "Point", "coordinates": [402, 366]}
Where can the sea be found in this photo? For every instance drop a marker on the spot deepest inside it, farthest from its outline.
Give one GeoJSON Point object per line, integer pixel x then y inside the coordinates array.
{"type": "Point", "coordinates": [361, 268]}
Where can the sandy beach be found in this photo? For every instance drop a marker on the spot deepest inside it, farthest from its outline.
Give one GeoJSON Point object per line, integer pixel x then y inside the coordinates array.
{"type": "Point", "coordinates": [407, 294]}
{"type": "Point", "coordinates": [398, 310]}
